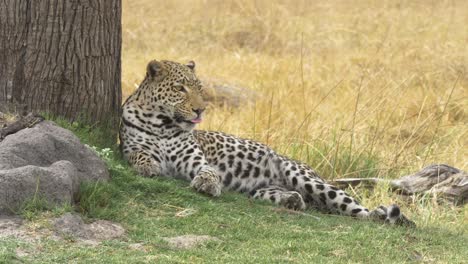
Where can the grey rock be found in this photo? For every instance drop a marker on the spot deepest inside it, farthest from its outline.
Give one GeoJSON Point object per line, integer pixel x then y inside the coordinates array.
{"type": "Point", "coordinates": [70, 225]}
{"type": "Point", "coordinates": [105, 230]}
{"type": "Point", "coordinates": [54, 183]}
{"type": "Point", "coordinates": [45, 161]}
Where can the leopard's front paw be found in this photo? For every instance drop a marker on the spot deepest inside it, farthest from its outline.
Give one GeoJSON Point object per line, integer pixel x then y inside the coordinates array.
{"type": "Point", "coordinates": [207, 182]}
{"type": "Point", "coordinates": [148, 170]}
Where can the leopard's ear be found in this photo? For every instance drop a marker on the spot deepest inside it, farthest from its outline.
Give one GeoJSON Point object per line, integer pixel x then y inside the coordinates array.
{"type": "Point", "coordinates": [191, 65]}
{"type": "Point", "coordinates": [156, 70]}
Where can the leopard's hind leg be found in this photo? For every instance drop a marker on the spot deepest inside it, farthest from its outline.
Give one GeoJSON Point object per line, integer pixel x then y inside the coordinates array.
{"type": "Point", "coordinates": [326, 197]}
{"type": "Point", "coordinates": [144, 163]}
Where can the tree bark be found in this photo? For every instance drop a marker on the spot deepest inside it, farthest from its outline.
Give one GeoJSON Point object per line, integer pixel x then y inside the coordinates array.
{"type": "Point", "coordinates": [62, 57]}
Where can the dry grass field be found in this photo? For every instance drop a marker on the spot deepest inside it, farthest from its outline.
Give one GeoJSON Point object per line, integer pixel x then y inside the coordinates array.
{"type": "Point", "coordinates": [354, 88]}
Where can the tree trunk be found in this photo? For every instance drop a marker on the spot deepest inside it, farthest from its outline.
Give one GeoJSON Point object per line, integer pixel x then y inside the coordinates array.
{"type": "Point", "coordinates": [62, 57]}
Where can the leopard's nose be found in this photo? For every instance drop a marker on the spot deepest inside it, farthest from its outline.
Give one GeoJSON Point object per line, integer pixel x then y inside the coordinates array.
{"type": "Point", "coordinates": [198, 111]}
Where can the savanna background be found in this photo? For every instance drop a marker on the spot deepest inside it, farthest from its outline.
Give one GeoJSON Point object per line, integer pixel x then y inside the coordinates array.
{"type": "Point", "coordinates": [383, 78]}
{"type": "Point", "coordinates": [353, 88]}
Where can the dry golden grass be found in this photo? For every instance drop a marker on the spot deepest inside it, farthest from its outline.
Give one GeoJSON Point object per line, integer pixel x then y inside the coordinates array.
{"type": "Point", "coordinates": [384, 79]}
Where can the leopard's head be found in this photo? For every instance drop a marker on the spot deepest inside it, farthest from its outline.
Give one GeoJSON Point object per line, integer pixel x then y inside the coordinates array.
{"type": "Point", "coordinates": [176, 89]}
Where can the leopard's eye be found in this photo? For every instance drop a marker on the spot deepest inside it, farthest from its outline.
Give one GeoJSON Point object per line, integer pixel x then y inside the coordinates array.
{"type": "Point", "coordinates": [181, 88]}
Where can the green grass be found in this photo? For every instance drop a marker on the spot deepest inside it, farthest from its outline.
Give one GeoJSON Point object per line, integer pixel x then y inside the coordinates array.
{"type": "Point", "coordinates": [250, 232]}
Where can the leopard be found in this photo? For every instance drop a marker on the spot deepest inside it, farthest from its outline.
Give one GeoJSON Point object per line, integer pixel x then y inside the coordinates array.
{"type": "Point", "coordinates": [158, 138]}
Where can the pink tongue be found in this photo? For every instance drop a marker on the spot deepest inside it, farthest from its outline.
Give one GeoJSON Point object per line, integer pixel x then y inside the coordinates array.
{"type": "Point", "coordinates": [196, 120]}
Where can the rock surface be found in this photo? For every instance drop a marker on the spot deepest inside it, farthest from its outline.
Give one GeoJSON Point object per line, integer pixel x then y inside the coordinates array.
{"type": "Point", "coordinates": [47, 162]}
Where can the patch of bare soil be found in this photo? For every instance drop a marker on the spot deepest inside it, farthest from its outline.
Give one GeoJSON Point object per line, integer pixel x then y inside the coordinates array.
{"type": "Point", "coordinates": [189, 241]}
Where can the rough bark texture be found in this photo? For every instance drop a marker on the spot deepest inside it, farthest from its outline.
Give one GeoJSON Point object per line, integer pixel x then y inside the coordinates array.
{"type": "Point", "coordinates": [425, 179]}
{"type": "Point", "coordinates": [62, 57]}
{"type": "Point", "coordinates": [454, 189]}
